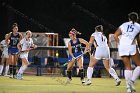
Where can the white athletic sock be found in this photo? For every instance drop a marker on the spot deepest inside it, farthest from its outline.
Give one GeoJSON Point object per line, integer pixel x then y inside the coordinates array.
{"type": "Point", "coordinates": [22, 69]}
{"type": "Point", "coordinates": [113, 73]}
{"type": "Point", "coordinates": [128, 76]}
{"type": "Point", "coordinates": [6, 69]}
{"type": "Point", "coordinates": [89, 72]}
{"type": "Point", "coordinates": [1, 69]}
{"type": "Point", "coordinates": [136, 73]}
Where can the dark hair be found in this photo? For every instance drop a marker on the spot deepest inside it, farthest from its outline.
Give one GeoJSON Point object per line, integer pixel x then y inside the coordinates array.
{"type": "Point", "coordinates": [133, 16]}
{"type": "Point", "coordinates": [99, 28]}
{"type": "Point", "coordinates": [14, 25]}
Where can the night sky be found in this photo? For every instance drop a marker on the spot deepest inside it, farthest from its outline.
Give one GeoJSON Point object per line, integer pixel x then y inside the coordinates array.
{"type": "Point", "coordinates": [60, 16]}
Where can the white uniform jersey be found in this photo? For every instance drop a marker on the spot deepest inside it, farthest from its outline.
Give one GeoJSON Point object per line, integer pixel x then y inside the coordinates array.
{"type": "Point", "coordinates": [102, 49]}
{"type": "Point", "coordinates": [25, 45]}
{"type": "Point", "coordinates": [129, 31]}
{"type": "Point", "coordinates": [100, 39]}
{"type": "Point", "coordinates": [5, 49]}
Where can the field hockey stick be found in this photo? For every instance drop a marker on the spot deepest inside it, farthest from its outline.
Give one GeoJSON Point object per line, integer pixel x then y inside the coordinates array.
{"type": "Point", "coordinates": [25, 51]}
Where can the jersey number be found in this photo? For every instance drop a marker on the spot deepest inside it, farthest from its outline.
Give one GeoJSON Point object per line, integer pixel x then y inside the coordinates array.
{"type": "Point", "coordinates": [130, 28]}
{"type": "Point", "coordinates": [14, 42]}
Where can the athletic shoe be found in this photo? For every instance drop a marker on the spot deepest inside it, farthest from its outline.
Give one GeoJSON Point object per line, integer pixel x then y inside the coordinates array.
{"type": "Point", "coordinates": [11, 76]}
{"type": "Point", "coordinates": [118, 82]}
{"type": "Point", "coordinates": [14, 76]}
{"type": "Point", "coordinates": [131, 84]}
{"type": "Point", "coordinates": [19, 76]}
{"type": "Point", "coordinates": [129, 90]}
{"type": "Point", "coordinates": [83, 81]}
{"type": "Point", "coordinates": [6, 75]}
{"type": "Point", "coordinates": [87, 82]}
{"type": "Point", "coordinates": [68, 81]}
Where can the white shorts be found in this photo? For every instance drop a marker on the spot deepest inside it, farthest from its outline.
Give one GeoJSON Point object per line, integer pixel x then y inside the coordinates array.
{"type": "Point", "coordinates": [5, 55]}
{"type": "Point", "coordinates": [126, 50]}
{"type": "Point", "coordinates": [102, 53]}
{"type": "Point", "coordinates": [24, 55]}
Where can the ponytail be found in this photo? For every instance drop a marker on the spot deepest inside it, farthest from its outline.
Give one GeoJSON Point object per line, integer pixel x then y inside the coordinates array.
{"type": "Point", "coordinates": [133, 16]}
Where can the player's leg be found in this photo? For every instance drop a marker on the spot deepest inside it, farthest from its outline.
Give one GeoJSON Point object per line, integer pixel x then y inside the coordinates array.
{"type": "Point", "coordinates": [81, 70]}
{"type": "Point", "coordinates": [111, 71]}
{"type": "Point", "coordinates": [127, 72]}
{"type": "Point", "coordinates": [7, 67]}
{"type": "Point", "coordinates": [10, 61]}
{"type": "Point", "coordinates": [69, 71]}
{"type": "Point", "coordinates": [136, 72]}
{"type": "Point", "coordinates": [2, 65]}
{"type": "Point", "coordinates": [24, 66]}
{"type": "Point", "coordinates": [92, 63]}
{"type": "Point", "coordinates": [15, 58]}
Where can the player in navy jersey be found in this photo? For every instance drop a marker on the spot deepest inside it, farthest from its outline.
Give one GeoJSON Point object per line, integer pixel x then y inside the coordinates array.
{"type": "Point", "coordinates": [14, 38]}
{"type": "Point", "coordinates": [74, 48]}
{"type": "Point", "coordinates": [127, 47]}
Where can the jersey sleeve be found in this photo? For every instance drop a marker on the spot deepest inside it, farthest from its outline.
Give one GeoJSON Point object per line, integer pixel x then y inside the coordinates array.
{"type": "Point", "coordinates": [31, 41]}
{"type": "Point", "coordinates": [22, 41]}
{"type": "Point", "coordinates": [93, 34]}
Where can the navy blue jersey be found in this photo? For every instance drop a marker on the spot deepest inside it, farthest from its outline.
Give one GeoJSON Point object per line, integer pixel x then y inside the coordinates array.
{"type": "Point", "coordinates": [76, 47]}
{"type": "Point", "coordinates": [14, 40]}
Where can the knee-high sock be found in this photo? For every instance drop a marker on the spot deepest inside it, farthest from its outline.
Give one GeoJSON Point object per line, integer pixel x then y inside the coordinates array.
{"type": "Point", "coordinates": [81, 72]}
{"type": "Point", "coordinates": [22, 69]}
{"type": "Point", "coordinates": [6, 69]}
{"type": "Point", "coordinates": [1, 69]}
{"type": "Point", "coordinates": [128, 76]}
{"type": "Point", "coordinates": [11, 69]}
{"type": "Point", "coordinates": [136, 73]}
{"type": "Point", "coordinates": [69, 74]}
{"type": "Point", "coordinates": [14, 69]}
{"type": "Point", "coordinates": [89, 72]}
{"type": "Point", "coordinates": [113, 73]}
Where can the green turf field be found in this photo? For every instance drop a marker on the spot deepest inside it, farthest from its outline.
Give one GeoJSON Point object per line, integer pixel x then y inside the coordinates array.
{"type": "Point", "coordinates": [45, 84]}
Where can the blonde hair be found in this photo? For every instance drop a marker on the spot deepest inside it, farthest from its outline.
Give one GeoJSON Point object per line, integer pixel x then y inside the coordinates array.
{"type": "Point", "coordinates": [28, 31]}
{"type": "Point", "coordinates": [74, 31]}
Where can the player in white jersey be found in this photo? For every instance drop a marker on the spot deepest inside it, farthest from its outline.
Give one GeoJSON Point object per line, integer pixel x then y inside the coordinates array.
{"type": "Point", "coordinates": [99, 40]}
{"type": "Point", "coordinates": [127, 49]}
{"type": "Point", "coordinates": [4, 49]}
{"type": "Point", "coordinates": [24, 45]}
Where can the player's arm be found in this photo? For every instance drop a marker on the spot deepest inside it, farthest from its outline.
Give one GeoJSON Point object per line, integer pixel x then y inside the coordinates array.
{"type": "Point", "coordinates": [20, 36]}
{"type": "Point", "coordinates": [91, 41]}
{"type": "Point", "coordinates": [1, 47]}
{"type": "Point", "coordinates": [7, 38]}
{"type": "Point", "coordinates": [70, 49]}
{"type": "Point", "coordinates": [34, 46]}
{"type": "Point", "coordinates": [19, 46]}
{"type": "Point", "coordinates": [117, 33]}
{"type": "Point", "coordinates": [87, 48]}
{"type": "Point", "coordinates": [138, 40]}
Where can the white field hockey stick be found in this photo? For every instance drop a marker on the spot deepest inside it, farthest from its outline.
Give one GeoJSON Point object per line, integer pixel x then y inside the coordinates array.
{"type": "Point", "coordinates": [25, 51]}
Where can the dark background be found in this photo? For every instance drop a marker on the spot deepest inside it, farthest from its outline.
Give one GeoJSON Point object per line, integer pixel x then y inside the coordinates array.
{"type": "Point", "coordinates": [60, 16]}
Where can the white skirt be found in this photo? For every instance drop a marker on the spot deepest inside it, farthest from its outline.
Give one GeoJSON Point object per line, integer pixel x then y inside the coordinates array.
{"type": "Point", "coordinates": [24, 55]}
{"type": "Point", "coordinates": [126, 50]}
{"type": "Point", "coordinates": [102, 53]}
